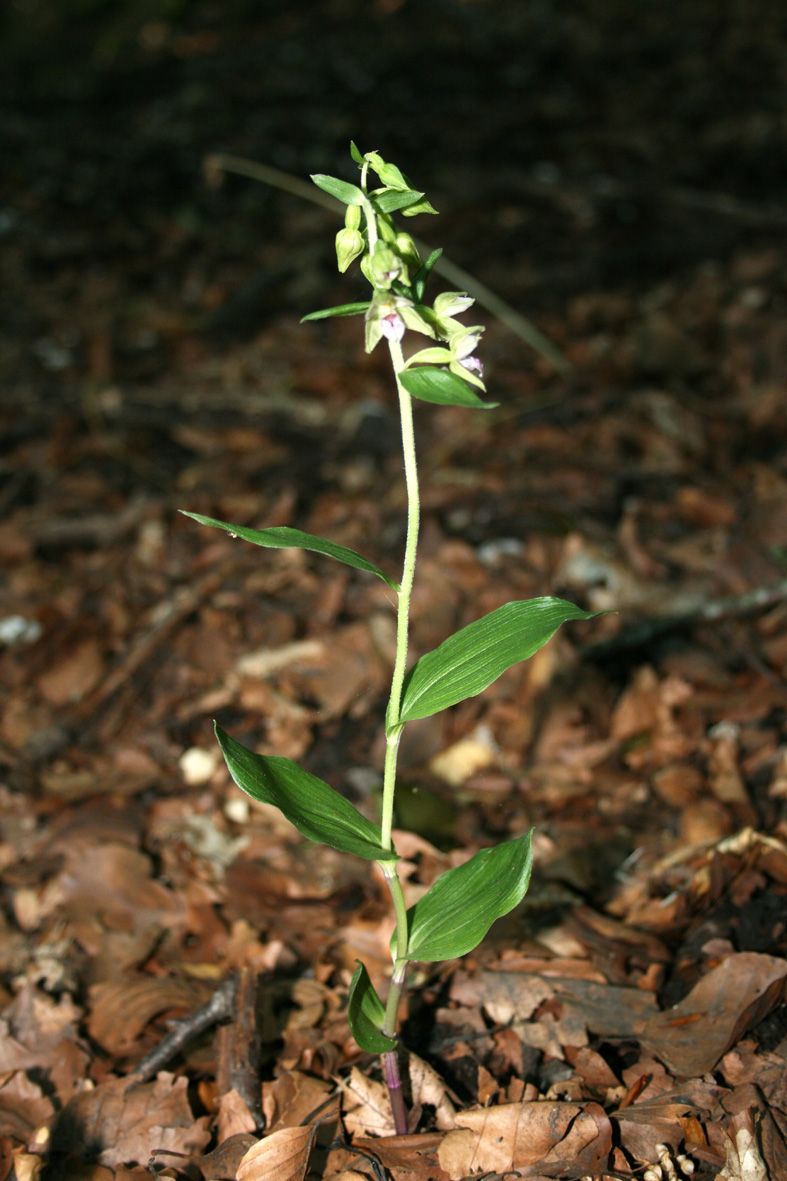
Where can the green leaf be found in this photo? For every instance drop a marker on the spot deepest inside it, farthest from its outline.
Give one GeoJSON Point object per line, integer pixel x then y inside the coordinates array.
{"type": "Point", "coordinates": [455, 914]}
{"type": "Point", "coordinates": [282, 537]}
{"type": "Point", "coordinates": [355, 153]}
{"type": "Point", "coordinates": [390, 200]}
{"type": "Point", "coordinates": [344, 309]}
{"type": "Point", "coordinates": [431, 384]}
{"type": "Point", "coordinates": [434, 355]}
{"type": "Point", "coordinates": [310, 804]}
{"type": "Point", "coordinates": [420, 207]}
{"type": "Point", "coordinates": [474, 657]}
{"type": "Point", "coordinates": [420, 277]}
{"type": "Point", "coordinates": [343, 191]}
{"type": "Point", "coordinates": [365, 1013]}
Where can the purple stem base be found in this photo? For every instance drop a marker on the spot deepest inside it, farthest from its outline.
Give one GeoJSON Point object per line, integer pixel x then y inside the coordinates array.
{"type": "Point", "coordinates": [393, 1082]}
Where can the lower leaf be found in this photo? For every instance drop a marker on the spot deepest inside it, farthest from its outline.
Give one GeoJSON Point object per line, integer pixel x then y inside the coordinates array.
{"type": "Point", "coordinates": [310, 804]}
{"type": "Point", "coordinates": [457, 911]}
{"type": "Point", "coordinates": [366, 1013]}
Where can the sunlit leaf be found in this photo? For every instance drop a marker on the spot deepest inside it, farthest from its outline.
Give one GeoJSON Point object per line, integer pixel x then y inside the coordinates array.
{"type": "Point", "coordinates": [282, 537]}
{"type": "Point", "coordinates": [457, 911]}
{"type": "Point", "coordinates": [343, 191]}
{"type": "Point", "coordinates": [392, 199]}
{"type": "Point", "coordinates": [469, 661]}
{"type": "Point", "coordinates": [431, 384]}
{"type": "Point", "coordinates": [355, 153]}
{"type": "Point", "coordinates": [310, 804]}
{"type": "Point", "coordinates": [344, 309]}
{"type": "Point", "coordinates": [365, 1013]}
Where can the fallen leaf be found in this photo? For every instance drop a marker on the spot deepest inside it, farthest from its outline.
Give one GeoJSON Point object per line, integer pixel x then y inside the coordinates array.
{"type": "Point", "coordinates": [561, 1136]}
{"type": "Point", "coordinates": [282, 1156]}
{"type": "Point", "coordinates": [124, 1122]}
{"type": "Point", "coordinates": [693, 1035]}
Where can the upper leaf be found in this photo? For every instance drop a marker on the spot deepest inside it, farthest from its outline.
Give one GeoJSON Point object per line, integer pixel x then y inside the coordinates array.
{"type": "Point", "coordinates": [432, 384]}
{"type": "Point", "coordinates": [471, 659]}
{"type": "Point", "coordinates": [420, 277]}
{"type": "Point", "coordinates": [365, 1013]}
{"type": "Point", "coordinates": [356, 153]}
{"type": "Point", "coordinates": [310, 804]}
{"type": "Point", "coordinates": [341, 189]}
{"type": "Point", "coordinates": [282, 537]}
{"type": "Point", "coordinates": [455, 914]}
{"type": "Point", "coordinates": [389, 200]}
{"type": "Point", "coordinates": [343, 309]}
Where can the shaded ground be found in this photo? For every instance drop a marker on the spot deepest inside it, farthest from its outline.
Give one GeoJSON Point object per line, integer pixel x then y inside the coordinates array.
{"type": "Point", "coordinates": [621, 182]}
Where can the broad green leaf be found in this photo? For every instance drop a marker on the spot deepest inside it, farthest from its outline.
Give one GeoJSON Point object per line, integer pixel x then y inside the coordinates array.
{"type": "Point", "coordinates": [390, 200]}
{"type": "Point", "coordinates": [355, 153]}
{"type": "Point", "coordinates": [455, 914]}
{"type": "Point", "coordinates": [469, 661]}
{"type": "Point", "coordinates": [343, 191]}
{"type": "Point", "coordinates": [420, 277]}
{"type": "Point", "coordinates": [344, 309]}
{"type": "Point", "coordinates": [310, 804]}
{"type": "Point", "coordinates": [431, 384]}
{"type": "Point", "coordinates": [365, 1013]}
{"type": "Point", "coordinates": [282, 537]}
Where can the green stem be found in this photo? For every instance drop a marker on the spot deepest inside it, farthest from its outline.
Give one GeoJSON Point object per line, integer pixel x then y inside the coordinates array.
{"type": "Point", "coordinates": [403, 609]}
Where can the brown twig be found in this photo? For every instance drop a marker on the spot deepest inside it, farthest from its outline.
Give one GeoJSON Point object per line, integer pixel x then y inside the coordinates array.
{"type": "Point", "coordinates": [218, 1008]}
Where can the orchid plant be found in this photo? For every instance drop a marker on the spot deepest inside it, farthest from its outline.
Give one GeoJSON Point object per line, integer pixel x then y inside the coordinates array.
{"type": "Point", "coordinates": [454, 915]}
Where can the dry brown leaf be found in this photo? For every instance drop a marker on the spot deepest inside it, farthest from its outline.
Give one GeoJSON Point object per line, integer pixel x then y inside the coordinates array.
{"type": "Point", "coordinates": [744, 1161]}
{"type": "Point", "coordinates": [693, 1035]}
{"type": "Point", "coordinates": [120, 1010]}
{"type": "Point", "coordinates": [427, 1087]}
{"type": "Point", "coordinates": [540, 1135]}
{"type": "Point", "coordinates": [223, 1161]}
{"type": "Point", "coordinates": [282, 1156]}
{"type": "Point", "coordinates": [74, 673]}
{"type": "Point", "coordinates": [292, 1099]}
{"type": "Point", "coordinates": [366, 1107]}
{"type": "Point", "coordinates": [234, 1117]}
{"type": "Point", "coordinates": [127, 1122]}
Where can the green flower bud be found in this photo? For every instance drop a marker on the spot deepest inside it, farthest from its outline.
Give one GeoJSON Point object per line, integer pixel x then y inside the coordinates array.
{"type": "Point", "coordinates": [352, 217]}
{"type": "Point", "coordinates": [452, 303]}
{"type": "Point", "coordinates": [386, 228]}
{"type": "Point", "coordinates": [349, 244]}
{"type": "Point", "coordinates": [366, 268]}
{"type": "Point", "coordinates": [386, 265]}
{"type": "Point", "coordinates": [407, 251]}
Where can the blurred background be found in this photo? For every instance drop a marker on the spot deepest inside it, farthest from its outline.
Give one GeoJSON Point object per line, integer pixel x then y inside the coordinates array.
{"type": "Point", "coordinates": [569, 144]}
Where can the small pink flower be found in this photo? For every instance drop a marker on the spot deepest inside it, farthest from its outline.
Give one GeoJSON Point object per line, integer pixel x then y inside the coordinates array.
{"type": "Point", "coordinates": [474, 364]}
{"type": "Point", "coordinates": [392, 326]}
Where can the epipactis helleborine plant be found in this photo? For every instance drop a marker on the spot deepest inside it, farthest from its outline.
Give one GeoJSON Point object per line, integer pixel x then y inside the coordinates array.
{"type": "Point", "coordinates": [457, 911]}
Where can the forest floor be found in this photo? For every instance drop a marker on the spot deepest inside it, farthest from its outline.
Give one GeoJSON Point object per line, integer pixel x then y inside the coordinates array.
{"type": "Point", "coordinates": [621, 185]}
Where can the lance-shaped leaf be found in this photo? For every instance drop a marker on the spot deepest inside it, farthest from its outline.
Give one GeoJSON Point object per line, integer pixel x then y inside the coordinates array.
{"type": "Point", "coordinates": [282, 537]}
{"type": "Point", "coordinates": [420, 277]}
{"type": "Point", "coordinates": [365, 1013]}
{"type": "Point", "coordinates": [455, 914]}
{"type": "Point", "coordinates": [474, 657]}
{"type": "Point", "coordinates": [346, 193]}
{"type": "Point", "coordinates": [310, 804]}
{"type": "Point", "coordinates": [390, 200]}
{"type": "Point", "coordinates": [431, 384]}
{"type": "Point", "coordinates": [343, 309]}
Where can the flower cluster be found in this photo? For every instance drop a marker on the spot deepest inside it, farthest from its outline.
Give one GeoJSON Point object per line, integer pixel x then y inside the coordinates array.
{"type": "Point", "coordinates": [391, 262]}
